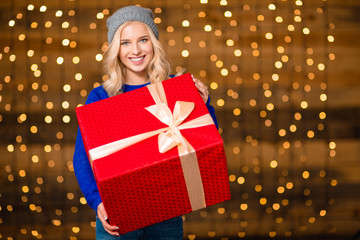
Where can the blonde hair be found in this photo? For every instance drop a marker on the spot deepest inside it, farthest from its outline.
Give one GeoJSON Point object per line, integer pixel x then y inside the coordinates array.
{"type": "Point", "coordinates": [158, 69]}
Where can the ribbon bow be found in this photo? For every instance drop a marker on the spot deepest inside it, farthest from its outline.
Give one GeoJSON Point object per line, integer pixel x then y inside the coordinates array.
{"type": "Point", "coordinates": [172, 137]}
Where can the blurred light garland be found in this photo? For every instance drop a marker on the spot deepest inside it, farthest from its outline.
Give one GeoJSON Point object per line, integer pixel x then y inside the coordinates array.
{"type": "Point", "coordinates": [39, 167]}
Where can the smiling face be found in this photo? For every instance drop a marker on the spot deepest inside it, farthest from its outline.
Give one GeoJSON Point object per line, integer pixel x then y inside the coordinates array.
{"type": "Point", "coordinates": [136, 51]}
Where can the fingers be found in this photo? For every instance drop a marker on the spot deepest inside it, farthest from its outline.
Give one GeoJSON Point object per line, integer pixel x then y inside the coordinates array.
{"type": "Point", "coordinates": [203, 89]}
{"type": "Point", "coordinates": [103, 218]}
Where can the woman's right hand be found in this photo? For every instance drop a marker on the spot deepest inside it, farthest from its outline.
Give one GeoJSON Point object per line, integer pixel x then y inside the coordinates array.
{"type": "Point", "coordinates": [103, 218]}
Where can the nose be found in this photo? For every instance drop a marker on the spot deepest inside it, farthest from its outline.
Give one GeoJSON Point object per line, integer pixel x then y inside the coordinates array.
{"type": "Point", "coordinates": [136, 49]}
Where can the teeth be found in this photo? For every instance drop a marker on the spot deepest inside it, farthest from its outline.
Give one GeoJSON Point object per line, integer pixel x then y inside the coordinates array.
{"type": "Point", "coordinates": [137, 59]}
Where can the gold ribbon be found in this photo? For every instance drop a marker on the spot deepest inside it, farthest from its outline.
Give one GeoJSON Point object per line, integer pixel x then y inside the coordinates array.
{"type": "Point", "coordinates": [168, 138]}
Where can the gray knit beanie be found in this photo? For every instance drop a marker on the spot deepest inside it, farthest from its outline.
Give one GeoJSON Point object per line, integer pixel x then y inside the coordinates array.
{"type": "Point", "coordinates": [130, 13]}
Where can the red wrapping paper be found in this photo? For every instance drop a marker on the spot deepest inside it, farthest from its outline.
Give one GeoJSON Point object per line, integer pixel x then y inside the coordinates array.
{"type": "Point", "coordinates": [138, 185]}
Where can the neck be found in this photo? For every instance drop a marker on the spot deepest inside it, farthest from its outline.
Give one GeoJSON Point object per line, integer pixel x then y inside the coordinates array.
{"type": "Point", "coordinates": [132, 78]}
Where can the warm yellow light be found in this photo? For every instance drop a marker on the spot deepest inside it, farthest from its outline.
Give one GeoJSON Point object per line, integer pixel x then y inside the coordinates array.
{"type": "Point", "coordinates": [252, 102]}
{"type": "Point", "coordinates": [34, 67]}
{"type": "Point", "coordinates": [243, 206]}
{"type": "Point", "coordinates": [275, 77]}
{"type": "Point", "coordinates": [273, 164]}
{"type": "Point", "coordinates": [76, 60]}
{"type": "Point", "coordinates": [185, 53]}
{"type": "Point", "coordinates": [33, 129]}
{"type": "Point", "coordinates": [227, 14]}
{"type": "Point", "coordinates": [230, 42]}
{"type": "Point", "coordinates": [58, 13]}
{"type": "Point", "coordinates": [321, 66]}
{"type": "Point", "coordinates": [11, 23]}
{"type": "Point", "coordinates": [78, 76]}
{"type": "Point", "coordinates": [278, 64]}
{"type": "Point", "coordinates": [224, 72]}
{"type": "Point", "coordinates": [258, 188]}
{"type": "Point", "coordinates": [276, 206]}
{"type": "Point", "coordinates": [207, 28]}
{"type": "Point", "coordinates": [289, 185]}
{"type": "Point", "coordinates": [297, 19]}
{"type": "Point", "coordinates": [232, 178]}
{"type": "Point", "coordinates": [43, 8]}
{"type": "Point", "coordinates": [310, 134]}
{"type": "Point", "coordinates": [223, 2]}
{"type": "Point", "coordinates": [330, 38]}
{"type": "Point", "coordinates": [268, 35]}
{"type": "Point", "coordinates": [237, 52]}
{"type": "Point", "coordinates": [221, 210]}
{"type": "Point", "coordinates": [170, 29]}
{"type": "Point", "coordinates": [279, 19]}
{"type": "Point", "coordinates": [21, 37]}
{"type": "Point", "coordinates": [219, 63]}
{"type": "Point", "coordinates": [100, 15]}
{"type": "Point", "coordinates": [306, 31]}
{"type": "Point", "coordinates": [322, 213]}
{"type": "Point", "coordinates": [30, 7]}
{"type": "Point", "coordinates": [65, 42]}
{"type": "Point", "coordinates": [66, 88]}
{"type": "Point", "coordinates": [214, 85]}
{"type": "Point", "coordinates": [293, 128]}
{"type": "Point", "coordinates": [60, 60]}
{"type": "Point", "coordinates": [98, 57]}
{"type": "Point", "coordinates": [220, 102]}
{"type": "Point", "coordinates": [280, 49]}
{"type": "Point", "coordinates": [65, 25]}
{"type": "Point", "coordinates": [30, 53]}
{"type": "Point", "coordinates": [267, 93]}
{"type": "Point", "coordinates": [263, 201]}
{"type": "Point", "coordinates": [185, 23]}
{"type": "Point", "coordinates": [48, 119]}
{"type": "Point", "coordinates": [332, 145]}
{"type": "Point", "coordinates": [323, 97]}
{"type": "Point", "coordinates": [304, 104]}
{"type": "Point", "coordinates": [281, 189]}
{"type": "Point", "coordinates": [241, 180]}
{"type": "Point", "coordinates": [65, 104]}
{"type": "Point", "coordinates": [270, 106]}
{"type": "Point", "coordinates": [35, 159]}
{"type": "Point", "coordinates": [298, 3]}
{"type": "Point", "coordinates": [305, 174]}
{"type": "Point", "coordinates": [260, 18]}
{"type": "Point", "coordinates": [76, 229]}
{"type": "Point", "coordinates": [272, 6]}
{"type": "Point", "coordinates": [236, 111]}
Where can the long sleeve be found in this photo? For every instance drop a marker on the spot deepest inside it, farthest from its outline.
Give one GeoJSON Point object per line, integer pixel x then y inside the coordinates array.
{"type": "Point", "coordinates": [82, 168]}
{"type": "Point", "coordinates": [211, 110]}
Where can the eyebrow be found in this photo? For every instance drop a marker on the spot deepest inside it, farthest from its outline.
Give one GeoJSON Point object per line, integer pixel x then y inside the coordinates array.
{"type": "Point", "coordinates": [145, 36]}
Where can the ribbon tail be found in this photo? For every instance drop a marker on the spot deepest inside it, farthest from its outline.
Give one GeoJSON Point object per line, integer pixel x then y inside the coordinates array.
{"type": "Point", "coordinates": [192, 176]}
{"type": "Point", "coordinates": [110, 148]}
{"type": "Point", "coordinates": [198, 122]}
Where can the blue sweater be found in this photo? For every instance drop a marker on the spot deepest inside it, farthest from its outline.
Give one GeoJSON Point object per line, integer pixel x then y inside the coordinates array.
{"type": "Point", "coordinates": [81, 163]}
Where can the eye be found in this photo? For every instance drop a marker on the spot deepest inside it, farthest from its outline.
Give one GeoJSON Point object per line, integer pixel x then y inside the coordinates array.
{"type": "Point", "coordinates": [125, 43]}
{"type": "Point", "coordinates": [144, 40]}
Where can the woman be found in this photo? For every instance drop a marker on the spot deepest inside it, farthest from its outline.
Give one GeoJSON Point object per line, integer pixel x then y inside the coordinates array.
{"type": "Point", "coordinates": [133, 59]}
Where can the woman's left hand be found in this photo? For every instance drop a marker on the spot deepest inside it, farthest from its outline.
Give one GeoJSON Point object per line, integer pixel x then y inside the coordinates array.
{"type": "Point", "coordinates": [203, 89]}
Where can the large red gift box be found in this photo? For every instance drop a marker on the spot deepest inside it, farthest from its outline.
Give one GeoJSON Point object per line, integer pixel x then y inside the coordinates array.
{"type": "Point", "coordinates": [155, 153]}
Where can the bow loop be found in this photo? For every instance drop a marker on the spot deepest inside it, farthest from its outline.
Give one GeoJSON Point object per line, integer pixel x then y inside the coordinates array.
{"type": "Point", "coordinates": [182, 110]}
{"type": "Point", "coordinates": [172, 137]}
{"type": "Point", "coordinates": [162, 112]}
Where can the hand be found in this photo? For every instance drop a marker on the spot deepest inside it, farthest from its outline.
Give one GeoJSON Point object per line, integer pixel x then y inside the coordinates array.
{"type": "Point", "coordinates": [103, 218]}
{"type": "Point", "coordinates": [203, 89]}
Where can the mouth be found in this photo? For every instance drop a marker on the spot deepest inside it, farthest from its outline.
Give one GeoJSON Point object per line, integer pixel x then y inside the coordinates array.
{"type": "Point", "coordinates": [137, 59]}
